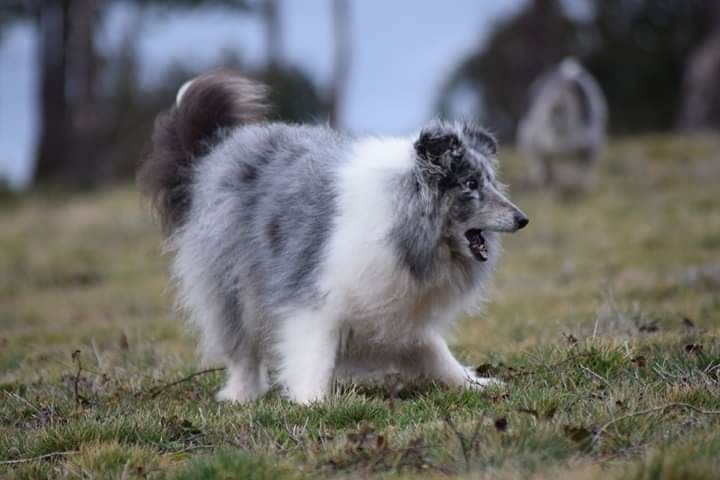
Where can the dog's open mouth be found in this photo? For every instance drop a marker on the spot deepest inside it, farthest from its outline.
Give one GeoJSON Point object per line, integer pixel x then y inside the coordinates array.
{"type": "Point", "coordinates": [477, 244]}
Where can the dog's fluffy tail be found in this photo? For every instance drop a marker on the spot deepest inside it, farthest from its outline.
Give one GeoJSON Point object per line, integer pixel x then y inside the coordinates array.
{"type": "Point", "coordinates": [207, 107]}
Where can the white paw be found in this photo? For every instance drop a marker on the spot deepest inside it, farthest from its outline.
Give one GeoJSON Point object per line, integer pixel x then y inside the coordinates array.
{"type": "Point", "coordinates": [231, 394]}
{"type": "Point", "coordinates": [305, 396]}
{"type": "Point", "coordinates": [238, 391]}
{"type": "Point", "coordinates": [474, 382]}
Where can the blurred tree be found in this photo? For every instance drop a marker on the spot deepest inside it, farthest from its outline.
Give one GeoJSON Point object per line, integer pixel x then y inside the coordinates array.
{"type": "Point", "coordinates": [86, 107]}
{"type": "Point", "coordinates": [342, 59]}
{"type": "Point", "coordinates": [701, 86]}
{"type": "Point", "coordinates": [636, 49]}
{"type": "Point", "coordinates": [270, 10]}
{"type": "Point", "coordinates": [78, 123]}
{"type": "Point", "coordinates": [68, 68]}
{"type": "Point", "coordinates": [639, 57]}
{"type": "Point", "coordinates": [293, 95]}
{"type": "Point", "coordinates": [498, 75]}
{"type": "Point", "coordinates": [54, 150]}
{"type": "Point", "coordinates": [95, 117]}
{"type": "Point", "coordinates": [10, 11]}
{"type": "Point", "coordinates": [75, 120]}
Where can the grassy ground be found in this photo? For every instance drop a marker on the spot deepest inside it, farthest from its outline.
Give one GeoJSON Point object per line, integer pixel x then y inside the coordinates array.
{"type": "Point", "coordinates": [603, 323]}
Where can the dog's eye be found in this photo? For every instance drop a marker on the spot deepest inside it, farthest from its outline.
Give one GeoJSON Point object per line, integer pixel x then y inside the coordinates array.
{"type": "Point", "coordinates": [472, 184]}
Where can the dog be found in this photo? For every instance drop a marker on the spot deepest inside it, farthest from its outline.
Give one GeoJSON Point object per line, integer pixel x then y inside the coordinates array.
{"type": "Point", "coordinates": [303, 255]}
{"type": "Point", "coordinates": [565, 128]}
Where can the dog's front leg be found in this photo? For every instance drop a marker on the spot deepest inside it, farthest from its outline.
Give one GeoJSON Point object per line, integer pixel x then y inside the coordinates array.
{"type": "Point", "coordinates": [307, 348]}
{"type": "Point", "coordinates": [435, 360]}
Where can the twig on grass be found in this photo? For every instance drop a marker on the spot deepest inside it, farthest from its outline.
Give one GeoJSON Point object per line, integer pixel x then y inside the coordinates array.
{"type": "Point", "coordinates": [466, 445]}
{"type": "Point", "coordinates": [188, 449]}
{"type": "Point", "coordinates": [24, 400]}
{"type": "Point", "coordinates": [39, 457]}
{"type": "Point", "coordinates": [596, 375]}
{"type": "Point", "coordinates": [553, 366]}
{"type": "Point", "coordinates": [153, 393]}
{"type": "Point", "coordinates": [648, 411]}
{"type": "Point", "coordinates": [79, 399]}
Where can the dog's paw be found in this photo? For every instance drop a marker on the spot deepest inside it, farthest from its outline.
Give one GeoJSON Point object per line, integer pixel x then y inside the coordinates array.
{"type": "Point", "coordinates": [233, 395]}
{"type": "Point", "coordinates": [237, 392]}
{"type": "Point", "coordinates": [304, 396]}
{"type": "Point", "coordinates": [472, 381]}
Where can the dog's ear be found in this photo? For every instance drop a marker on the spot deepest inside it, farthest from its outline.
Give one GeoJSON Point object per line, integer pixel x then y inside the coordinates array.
{"type": "Point", "coordinates": [436, 147]}
{"type": "Point", "coordinates": [480, 139]}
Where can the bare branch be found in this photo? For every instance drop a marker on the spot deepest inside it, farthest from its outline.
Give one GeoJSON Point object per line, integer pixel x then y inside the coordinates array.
{"type": "Point", "coordinates": [39, 457]}
{"type": "Point", "coordinates": [158, 390]}
{"type": "Point", "coordinates": [661, 408]}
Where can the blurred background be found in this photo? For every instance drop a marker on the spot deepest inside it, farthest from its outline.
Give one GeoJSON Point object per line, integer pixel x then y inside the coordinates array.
{"type": "Point", "coordinates": [86, 313]}
{"type": "Point", "coordinates": [81, 80]}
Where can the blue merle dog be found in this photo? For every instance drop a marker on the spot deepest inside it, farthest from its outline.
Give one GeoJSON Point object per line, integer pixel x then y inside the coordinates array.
{"type": "Point", "coordinates": [302, 254]}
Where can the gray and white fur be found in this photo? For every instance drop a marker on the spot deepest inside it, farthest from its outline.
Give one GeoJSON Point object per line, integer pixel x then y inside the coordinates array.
{"type": "Point", "coordinates": [302, 254]}
{"type": "Point", "coordinates": [565, 128]}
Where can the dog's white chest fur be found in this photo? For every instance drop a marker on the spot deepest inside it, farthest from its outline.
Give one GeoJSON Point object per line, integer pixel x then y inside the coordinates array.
{"type": "Point", "coordinates": [375, 295]}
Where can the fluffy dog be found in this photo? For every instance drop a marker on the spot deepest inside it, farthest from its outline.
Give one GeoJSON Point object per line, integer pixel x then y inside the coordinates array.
{"type": "Point", "coordinates": [564, 128]}
{"type": "Point", "coordinates": [302, 254]}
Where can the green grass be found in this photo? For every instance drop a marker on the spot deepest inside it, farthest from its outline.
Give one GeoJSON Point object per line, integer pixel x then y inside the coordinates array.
{"type": "Point", "coordinates": [603, 324]}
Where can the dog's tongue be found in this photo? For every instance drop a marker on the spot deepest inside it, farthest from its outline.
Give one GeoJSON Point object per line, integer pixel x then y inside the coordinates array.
{"type": "Point", "coordinates": [477, 245]}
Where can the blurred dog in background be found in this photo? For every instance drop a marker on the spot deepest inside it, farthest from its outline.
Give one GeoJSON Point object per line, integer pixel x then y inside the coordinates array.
{"type": "Point", "coordinates": [565, 128]}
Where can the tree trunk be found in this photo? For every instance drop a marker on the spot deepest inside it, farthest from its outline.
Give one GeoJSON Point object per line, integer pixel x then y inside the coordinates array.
{"type": "Point", "coordinates": [273, 31]}
{"type": "Point", "coordinates": [86, 163]}
{"type": "Point", "coordinates": [343, 53]}
{"type": "Point", "coordinates": [701, 95]}
{"type": "Point", "coordinates": [55, 122]}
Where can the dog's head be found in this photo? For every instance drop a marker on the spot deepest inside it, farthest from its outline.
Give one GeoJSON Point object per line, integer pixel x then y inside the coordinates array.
{"type": "Point", "coordinates": [458, 161]}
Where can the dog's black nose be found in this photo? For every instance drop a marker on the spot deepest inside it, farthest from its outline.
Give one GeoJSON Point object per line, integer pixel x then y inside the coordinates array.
{"type": "Point", "coordinates": [522, 221]}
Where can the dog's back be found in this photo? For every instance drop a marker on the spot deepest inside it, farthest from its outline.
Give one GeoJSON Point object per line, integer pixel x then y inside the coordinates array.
{"type": "Point", "coordinates": [247, 205]}
{"type": "Point", "coordinates": [262, 210]}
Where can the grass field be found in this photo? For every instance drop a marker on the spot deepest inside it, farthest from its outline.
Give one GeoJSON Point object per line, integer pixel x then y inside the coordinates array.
{"type": "Point", "coordinates": [603, 322]}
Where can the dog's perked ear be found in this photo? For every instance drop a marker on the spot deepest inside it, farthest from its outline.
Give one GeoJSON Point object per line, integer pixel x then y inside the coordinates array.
{"type": "Point", "coordinates": [480, 139]}
{"type": "Point", "coordinates": [437, 153]}
{"type": "Point", "coordinates": [433, 146]}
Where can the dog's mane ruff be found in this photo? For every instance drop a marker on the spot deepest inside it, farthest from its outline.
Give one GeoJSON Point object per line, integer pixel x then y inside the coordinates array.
{"type": "Point", "coordinates": [419, 221]}
{"type": "Point", "coordinates": [388, 246]}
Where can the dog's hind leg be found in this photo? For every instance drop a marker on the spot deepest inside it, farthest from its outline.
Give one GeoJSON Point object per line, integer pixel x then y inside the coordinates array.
{"type": "Point", "coordinates": [433, 359]}
{"type": "Point", "coordinates": [586, 163]}
{"type": "Point", "coordinates": [541, 169]}
{"type": "Point", "coordinates": [307, 346]}
{"type": "Point", "coordinates": [247, 377]}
